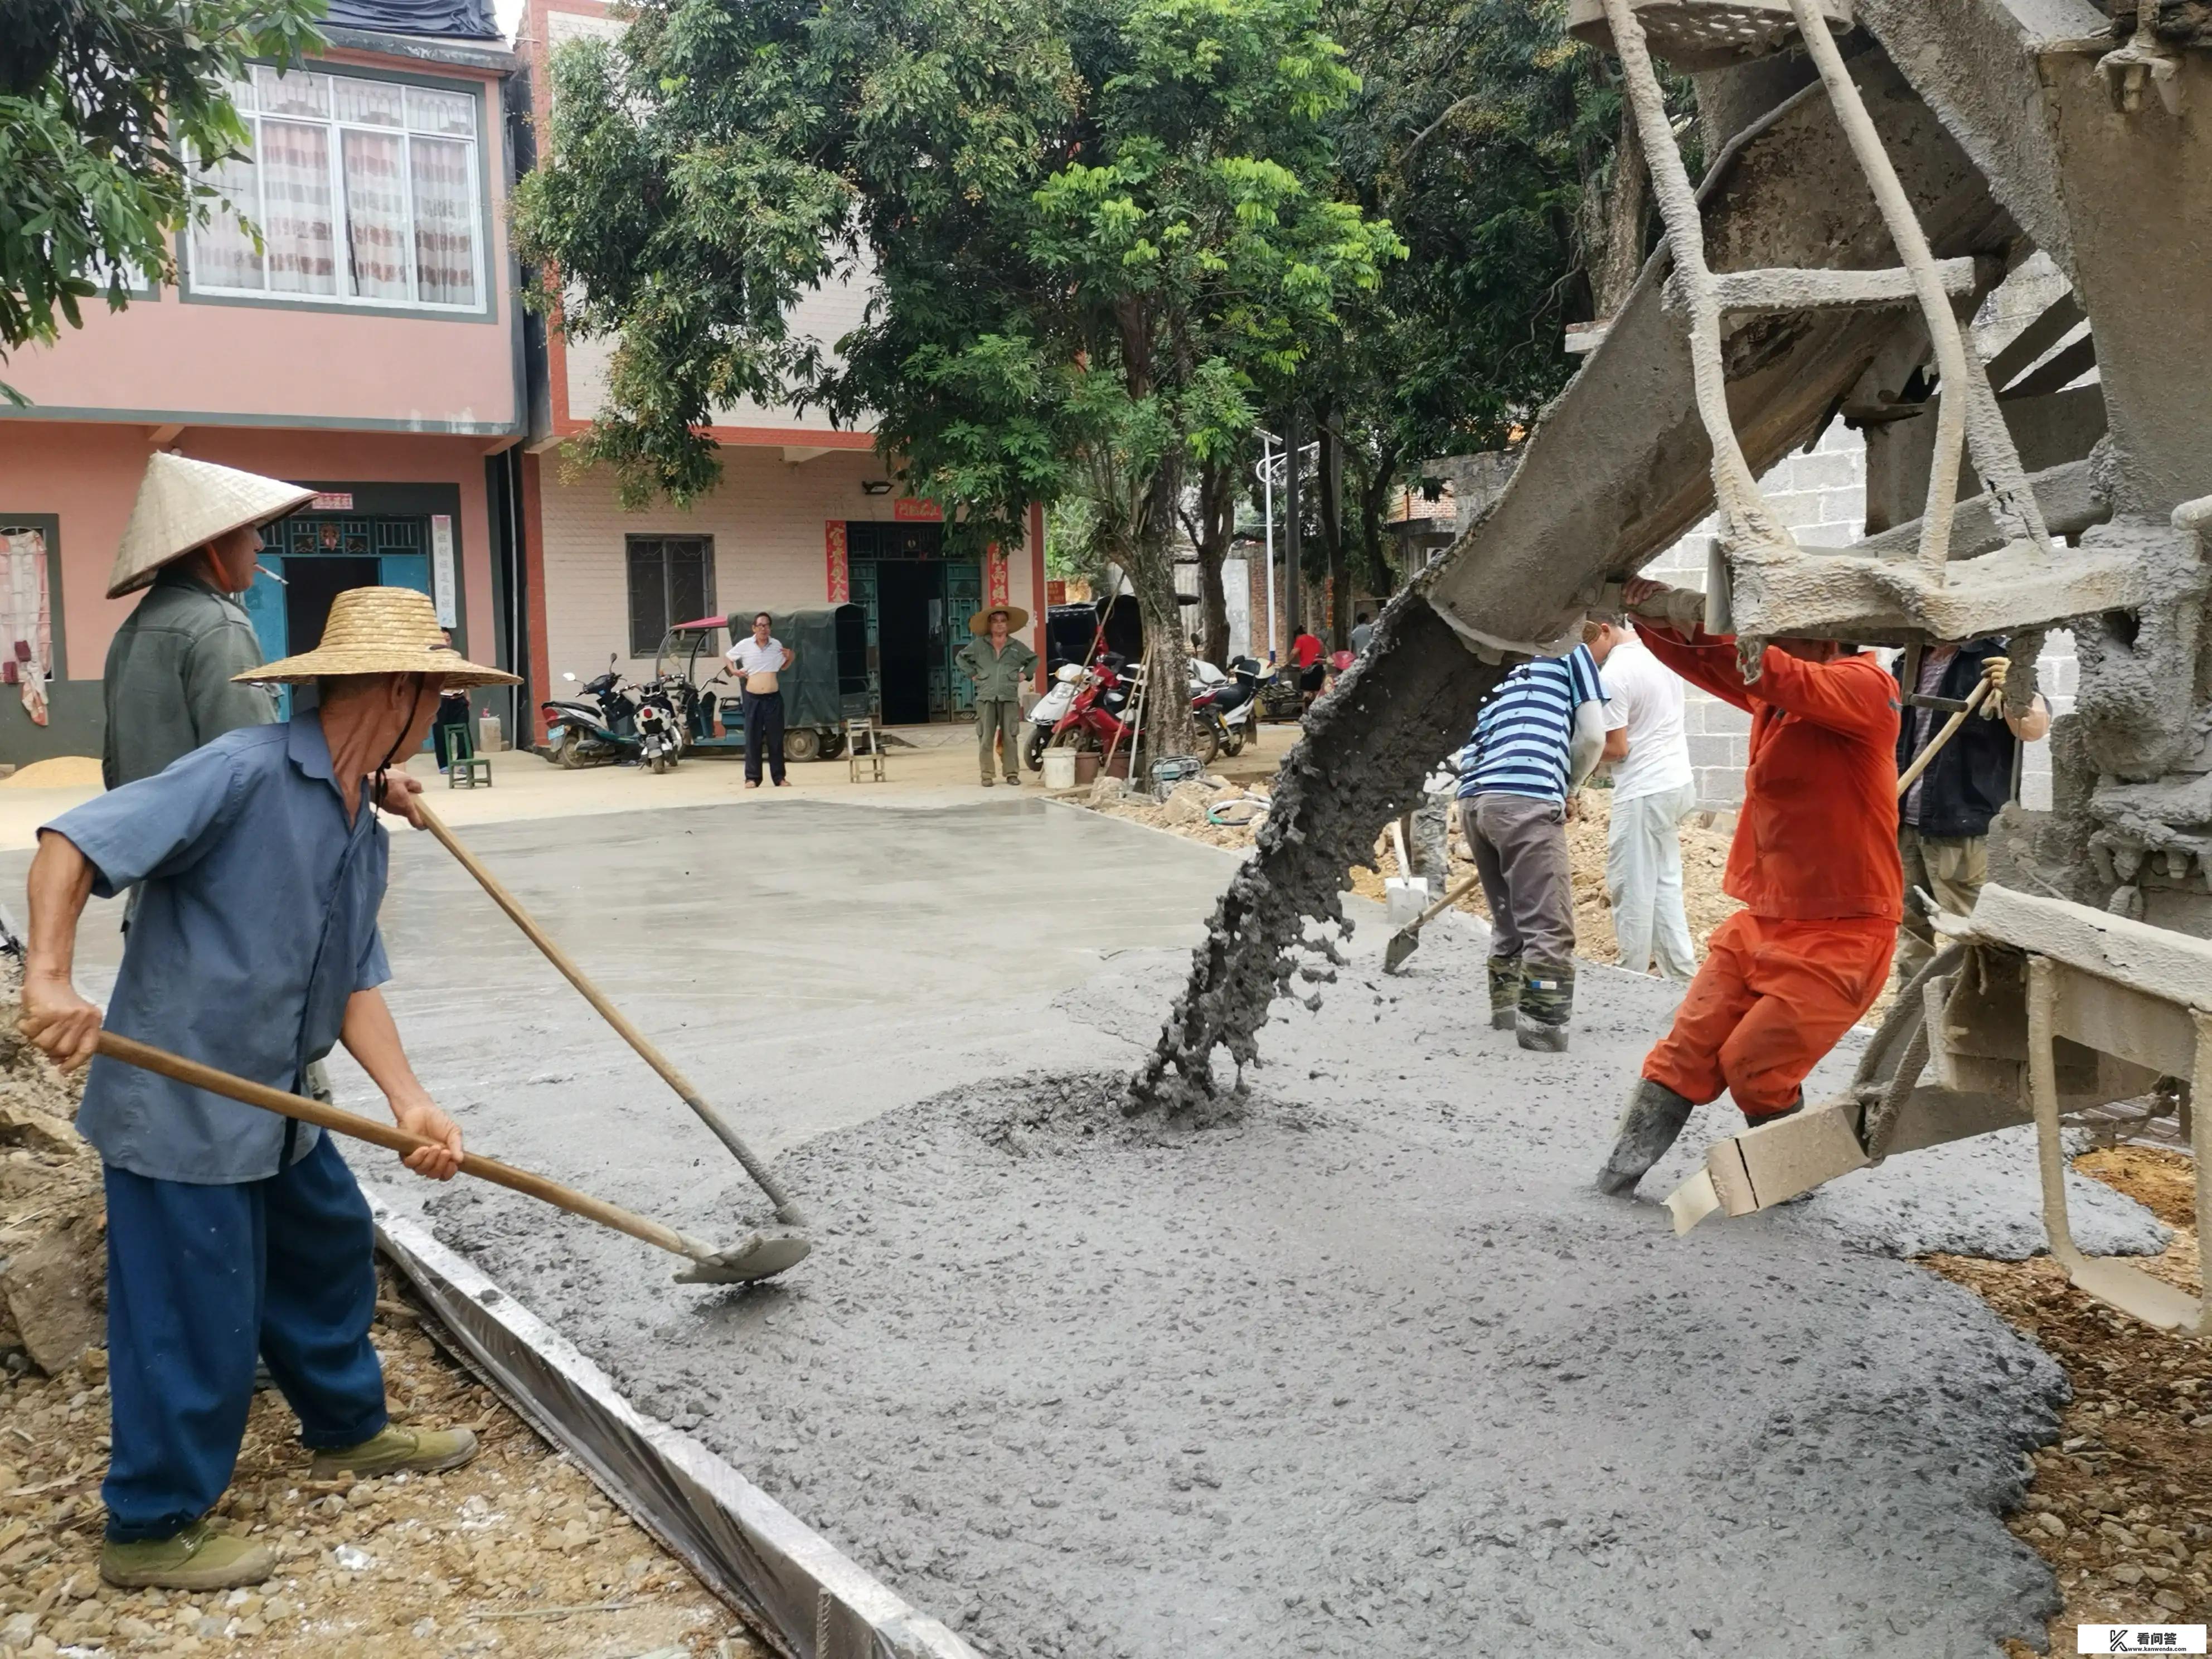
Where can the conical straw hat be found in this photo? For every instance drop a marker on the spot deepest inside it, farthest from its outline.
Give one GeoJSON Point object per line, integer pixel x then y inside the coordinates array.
{"type": "Point", "coordinates": [381, 630]}
{"type": "Point", "coordinates": [1016, 619]}
{"type": "Point", "coordinates": [184, 504]}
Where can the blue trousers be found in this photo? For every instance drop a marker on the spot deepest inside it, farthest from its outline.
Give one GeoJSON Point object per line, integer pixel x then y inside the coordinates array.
{"type": "Point", "coordinates": [201, 1279]}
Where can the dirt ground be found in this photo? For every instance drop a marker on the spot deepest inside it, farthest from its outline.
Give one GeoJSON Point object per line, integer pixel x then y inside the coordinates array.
{"type": "Point", "coordinates": [519, 1554]}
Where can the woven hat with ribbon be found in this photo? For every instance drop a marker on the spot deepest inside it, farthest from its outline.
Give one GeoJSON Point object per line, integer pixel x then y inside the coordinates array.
{"type": "Point", "coordinates": [1016, 619]}
{"type": "Point", "coordinates": [183, 504]}
{"type": "Point", "coordinates": [381, 630]}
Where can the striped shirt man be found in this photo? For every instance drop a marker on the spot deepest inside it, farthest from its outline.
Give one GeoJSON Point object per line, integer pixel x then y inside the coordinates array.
{"type": "Point", "coordinates": [1521, 740]}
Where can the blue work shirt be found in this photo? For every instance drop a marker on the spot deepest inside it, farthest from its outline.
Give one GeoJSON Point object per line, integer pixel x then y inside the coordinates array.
{"type": "Point", "coordinates": [256, 922]}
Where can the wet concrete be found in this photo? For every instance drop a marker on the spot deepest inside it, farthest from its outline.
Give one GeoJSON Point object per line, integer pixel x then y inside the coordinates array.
{"type": "Point", "coordinates": [1365, 1368]}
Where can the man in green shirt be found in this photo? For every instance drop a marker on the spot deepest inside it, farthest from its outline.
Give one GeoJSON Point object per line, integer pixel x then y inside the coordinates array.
{"type": "Point", "coordinates": [999, 664]}
{"type": "Point", "coordinates": [193, 536]}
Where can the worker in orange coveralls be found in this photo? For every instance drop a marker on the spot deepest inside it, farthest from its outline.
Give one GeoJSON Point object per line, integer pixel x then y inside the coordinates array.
{"type": "Point", "coordinates": [1814, 862]}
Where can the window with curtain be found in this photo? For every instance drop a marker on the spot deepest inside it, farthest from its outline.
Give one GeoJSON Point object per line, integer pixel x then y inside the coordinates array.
{"type": "Point", "coordinates": [671, 579]}
{"type": "Point", "coordinates": [365, 192]}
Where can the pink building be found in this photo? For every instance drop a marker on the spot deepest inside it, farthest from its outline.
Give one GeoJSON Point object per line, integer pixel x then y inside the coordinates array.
{"type": "Point", "coordinates": [805, 516]}
{"type": "Point", "coordinates": [372, 350]}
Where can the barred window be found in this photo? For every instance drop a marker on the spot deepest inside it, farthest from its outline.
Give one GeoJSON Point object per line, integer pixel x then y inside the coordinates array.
{"type": "Point", "coordinates": [671, 579]}
{"type": "Point", "coordinates": [365, 192]}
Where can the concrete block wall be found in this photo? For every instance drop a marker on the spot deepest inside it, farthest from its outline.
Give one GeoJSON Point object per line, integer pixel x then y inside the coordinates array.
{"type": "Point", "coordinates": [1822, 496]}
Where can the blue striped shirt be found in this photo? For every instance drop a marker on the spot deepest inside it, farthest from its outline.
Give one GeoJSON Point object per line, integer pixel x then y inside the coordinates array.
{"type": "Point", "coordinates": [1519, 745]}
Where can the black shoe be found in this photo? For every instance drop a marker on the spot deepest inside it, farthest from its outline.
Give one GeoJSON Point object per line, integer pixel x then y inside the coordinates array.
{"type": "Point", "coordinates": [1654, 1119]}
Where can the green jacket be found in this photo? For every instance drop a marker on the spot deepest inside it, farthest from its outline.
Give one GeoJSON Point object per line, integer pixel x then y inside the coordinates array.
{"type": "Point", "coordinates": [167, 687]}
{"type": "Point", "coordinates": [1000, 676]}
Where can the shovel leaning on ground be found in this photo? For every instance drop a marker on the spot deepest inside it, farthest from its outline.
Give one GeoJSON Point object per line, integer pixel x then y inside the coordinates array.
{"type": "Point", "coordinates": [786, 1210]}
{"type": "Point", "coordinates": [1408, 939]}
{"type": "Point", "coordinates": [759, 1256]}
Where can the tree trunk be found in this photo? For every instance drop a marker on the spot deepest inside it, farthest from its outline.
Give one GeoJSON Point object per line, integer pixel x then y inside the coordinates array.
{"type": "Point", "coordinates": [1614, 244]}
{"type": "Point", "coordinates": [1151, 574]}
{"type": "Point", "coordinates": [1216, 519]}
{"type": "Point", "coordinates": [1374, 500]}
{"type": "Point", "coordinates": [1331, 470]}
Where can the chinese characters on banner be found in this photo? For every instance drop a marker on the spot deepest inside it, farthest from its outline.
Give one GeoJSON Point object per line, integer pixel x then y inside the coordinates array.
{"type": "Point", "coordinates": [833, 549]}
{"type": "Point", "coordinates": [994, 568]}
{"type": "Point", "coordinates": [441, 568]}
{"type": "Point", "coordinates": [907, 509]}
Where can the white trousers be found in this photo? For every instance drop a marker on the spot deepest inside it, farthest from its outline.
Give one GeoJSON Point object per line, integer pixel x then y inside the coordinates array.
{"type": "Point", "coordinates": [1643, 878]}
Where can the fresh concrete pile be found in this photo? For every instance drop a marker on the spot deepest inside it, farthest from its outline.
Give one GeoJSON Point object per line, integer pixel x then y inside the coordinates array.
{"type": "Point", "coordinates": [1366, 1369]}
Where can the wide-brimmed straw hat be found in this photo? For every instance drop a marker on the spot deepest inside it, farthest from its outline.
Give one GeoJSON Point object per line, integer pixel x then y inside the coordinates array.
{"type": "Point", "coordinates": [382, 630]}
{"type": "Point", "coordinates": [184, 504]}
{"type": "Point", "coordinates": [979, 624]}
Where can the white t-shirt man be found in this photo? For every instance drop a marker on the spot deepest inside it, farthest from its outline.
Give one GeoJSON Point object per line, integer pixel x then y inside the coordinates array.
{"type": "Point", "coordinates": [754, 658]}
{"type": "Point", "coordinates": [1643, 696]}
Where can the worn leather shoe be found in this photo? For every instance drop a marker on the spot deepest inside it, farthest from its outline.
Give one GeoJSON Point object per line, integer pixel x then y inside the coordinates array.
{"type": "Point", "coordinates": [197, 1559]}
{"type": "Point", "coordinates": [419, 1451]}
{"type": "Point", "coordinates": [1654, 1119]}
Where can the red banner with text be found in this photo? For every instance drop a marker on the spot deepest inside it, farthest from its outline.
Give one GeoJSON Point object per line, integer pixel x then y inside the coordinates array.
{"type": "Point", "coordinates": [833, 545]}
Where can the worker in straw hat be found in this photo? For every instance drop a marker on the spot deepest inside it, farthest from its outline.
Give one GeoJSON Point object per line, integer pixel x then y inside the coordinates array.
{"type": "Point", "coordinates": [999, 665]}
{"type": "Point", "coordinates": [255, 950]}
{"type": "Point", "coordinates": [191, 542]}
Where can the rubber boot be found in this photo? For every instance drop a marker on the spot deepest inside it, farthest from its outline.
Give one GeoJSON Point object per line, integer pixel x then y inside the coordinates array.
{"type": "Point", "coordinates": [1654, 1117]}
{"type": "Point", "coordinates": [1547, 1002]}
{"type": "Point", "coordinates": [1504, 991]}
{"type": "Point", "coordinates": [197, 1558]}
{"type": "Point", "coordinates": [419, 1451]}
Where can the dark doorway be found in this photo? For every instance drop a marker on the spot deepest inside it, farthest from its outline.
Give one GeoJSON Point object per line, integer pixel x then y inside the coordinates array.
{"type": "Point", "coordinates": [310, 586]}
{"type": "Point", "coordinates": [904, 588]}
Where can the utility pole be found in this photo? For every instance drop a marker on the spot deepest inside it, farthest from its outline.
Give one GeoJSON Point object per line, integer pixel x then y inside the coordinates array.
{"type": "Point", "coordinates": [1293, 441]}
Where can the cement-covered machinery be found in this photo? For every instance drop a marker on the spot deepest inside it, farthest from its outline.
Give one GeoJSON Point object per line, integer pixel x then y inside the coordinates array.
{"type": "Point", "coordinates": [1880, 167]}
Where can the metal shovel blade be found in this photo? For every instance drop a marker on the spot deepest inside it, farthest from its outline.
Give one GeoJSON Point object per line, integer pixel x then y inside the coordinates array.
{"type": "Point", "coordinates": [1403, 944]}
{"type": "Point", "coordinates": [760, 1255]}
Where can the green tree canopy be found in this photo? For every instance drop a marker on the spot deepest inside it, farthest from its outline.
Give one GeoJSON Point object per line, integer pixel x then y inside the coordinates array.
{"type": "Point", "coordinates": [101, 101]}
{"type": "Point", "coordinates": [1093, 226]}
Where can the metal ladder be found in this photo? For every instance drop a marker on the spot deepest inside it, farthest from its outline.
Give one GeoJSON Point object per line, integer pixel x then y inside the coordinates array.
{"type": "Point", "coordinates": [1967, 414]}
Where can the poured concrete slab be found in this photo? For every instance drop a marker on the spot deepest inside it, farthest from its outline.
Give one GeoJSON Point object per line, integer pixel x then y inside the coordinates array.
{"type": "Point", "coordinates": [1371, 1371]}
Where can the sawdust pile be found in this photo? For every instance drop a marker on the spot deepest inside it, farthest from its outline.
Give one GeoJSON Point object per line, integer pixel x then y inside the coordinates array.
{"type": "Point", "coordinates": [2122, 1505]}
{"type": "Point", "coordinates": [519, 1554]}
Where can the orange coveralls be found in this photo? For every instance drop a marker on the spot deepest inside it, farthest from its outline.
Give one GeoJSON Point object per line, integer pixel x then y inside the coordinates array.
{"type": "Point", "coordinates": [1814, 862]}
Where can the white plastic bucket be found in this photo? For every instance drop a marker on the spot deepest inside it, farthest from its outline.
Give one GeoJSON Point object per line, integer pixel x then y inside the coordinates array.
{"type": "Point", "coordinates": [1059, 769]}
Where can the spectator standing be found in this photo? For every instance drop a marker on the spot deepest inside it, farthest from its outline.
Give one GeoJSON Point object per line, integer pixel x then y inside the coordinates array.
{"type": "Point", "coordinates": [1537, 739]}
{"type": "Point", "coordinates": [761, 657]}
{"type": "Point", "coordinates": [1362, 631]}
{"type": "Point", "coordinates": [1943, 822]}
{"type": "Point", "coordinates": [1653, 791]}
{"type": "Point", "coordinates": [453, 719]}
{"type": "Point", "coordinates": [999, 664]}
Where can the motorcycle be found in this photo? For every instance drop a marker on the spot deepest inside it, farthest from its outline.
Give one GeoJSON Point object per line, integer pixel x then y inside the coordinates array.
{"type": "Point", "coordinates": [1045, 717]}
{"type": "Point", "coordinates": [1093, 719]}
{"type": "Point", "coordinates": [580, 733]}
{"type": "Point", "coordinates": [1222, 711]}
{"type": "Point", "coordinates": [661, 721]}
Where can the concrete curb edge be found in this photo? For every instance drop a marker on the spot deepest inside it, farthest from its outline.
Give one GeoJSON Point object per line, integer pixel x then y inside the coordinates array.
{"type": "Point", "coordinates": [806, 1596]}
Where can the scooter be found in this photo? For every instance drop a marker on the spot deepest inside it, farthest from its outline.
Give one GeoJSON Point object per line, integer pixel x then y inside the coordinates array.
{"type": "Point", "coordinates": [580, 733]}
{"type": "Point", "coordinates": [1046, 715]}
{"type": "Point", "coordinates": [1224, 709]}
{"type": "Point", "coordinates": [661, 724]}
{"type": "Point", "coordinates": [1093, 719]}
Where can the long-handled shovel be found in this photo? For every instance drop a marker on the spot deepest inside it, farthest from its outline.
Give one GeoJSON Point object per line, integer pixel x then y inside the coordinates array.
{"type": "Point", "coordinates": [1408, 939]}
{"type": "Point", "coordinates": [786, 1210]}
{"type": "Point", "coordinates": [759, 1256]}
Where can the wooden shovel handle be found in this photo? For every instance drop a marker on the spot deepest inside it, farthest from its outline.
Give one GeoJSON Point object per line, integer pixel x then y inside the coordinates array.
{"type": "Point", "coordinates": [1950, 729]}
{"type": "Point", "coordinates": [132, 1052]}
{"type": "Point", "coordinates": [613, 1015]}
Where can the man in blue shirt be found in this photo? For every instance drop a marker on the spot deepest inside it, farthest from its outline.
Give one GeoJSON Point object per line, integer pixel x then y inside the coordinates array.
{"type": "Point", "coordinates": [1536, 739]}
{"type": "Point", "coordinates": [254, 950]}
